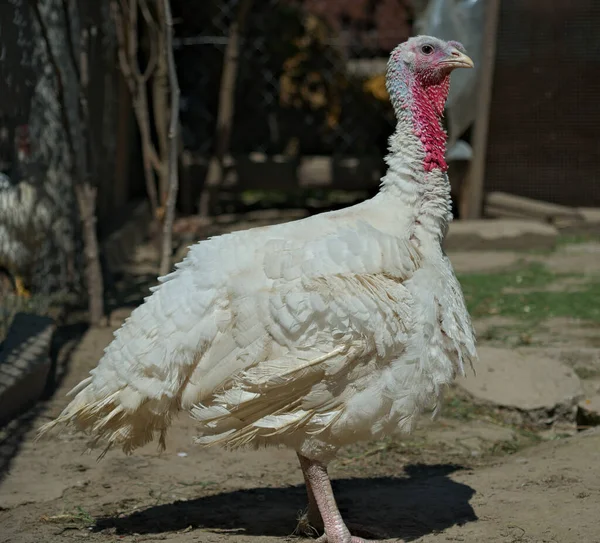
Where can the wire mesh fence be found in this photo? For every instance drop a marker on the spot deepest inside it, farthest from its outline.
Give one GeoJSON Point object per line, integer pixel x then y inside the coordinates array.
{"type": "Point", "coordinates": [309, 78]}
{"type": "Point", "coordinates": [39, 84]}
{"type": "Point", "coordinates": [309, 83]}
{"type": "Point", "coordinates": [27, 107]}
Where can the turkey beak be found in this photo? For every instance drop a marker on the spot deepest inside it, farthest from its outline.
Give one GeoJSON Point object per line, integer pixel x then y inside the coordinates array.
{"type": "Point", "coordinates": [456, 59]}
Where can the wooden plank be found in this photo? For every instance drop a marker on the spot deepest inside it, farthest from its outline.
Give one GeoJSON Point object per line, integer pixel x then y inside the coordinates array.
{"type": "Point", "coordinates": [259, 171]}
{"type": "Point", "coordinates": [503, 204]}
{"type": "Point", "coordinates": [24, 363]}
{"type": "Point", "coordinates": [471, 201]}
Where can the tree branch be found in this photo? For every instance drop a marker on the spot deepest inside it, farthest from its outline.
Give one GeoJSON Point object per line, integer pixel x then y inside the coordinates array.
{"type": "Point", "coordinates": [160, 91]}
{"type": "Point", "coordinates": [154, 49]}
{"type": "Point", "coordinates": [121, 47]}
{"type": "Point", "coordinates": [167, 247]}
{"type": "Point", "coordinates": [132, 44]}
{"type": "Point", "coordinates": [69, 32]}
{"type": "Point", "coordinates": [125, 18]}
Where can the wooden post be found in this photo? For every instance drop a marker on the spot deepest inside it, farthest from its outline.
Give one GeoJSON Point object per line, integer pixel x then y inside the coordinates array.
{"type": "Point", "coordinates": [471, 198]}
{"type": "Point", "coordinates": [225, 111]}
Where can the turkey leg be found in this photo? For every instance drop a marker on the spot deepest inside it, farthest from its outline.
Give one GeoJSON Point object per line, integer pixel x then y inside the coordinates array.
{"type": "Point", "coordinates": [310, 523]}
{"type": "Point", "coordinates": [320, 494]}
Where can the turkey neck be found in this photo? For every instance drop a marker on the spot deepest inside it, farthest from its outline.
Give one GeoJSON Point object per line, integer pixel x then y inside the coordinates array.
{"type": "Point", "coordinates": [416, 174]}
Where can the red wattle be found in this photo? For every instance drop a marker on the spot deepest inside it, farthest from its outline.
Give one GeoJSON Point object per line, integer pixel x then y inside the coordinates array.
{"type": "Point", "coordinates": [427, 107]}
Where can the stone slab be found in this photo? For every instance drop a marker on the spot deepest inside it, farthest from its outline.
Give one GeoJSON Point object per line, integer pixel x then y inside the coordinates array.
{"type": "Point", "coordinates": [521, 381]}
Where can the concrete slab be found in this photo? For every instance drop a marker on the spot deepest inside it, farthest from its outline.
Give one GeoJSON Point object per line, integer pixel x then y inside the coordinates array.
{"type": "Point", "coordinates": [519, 381]}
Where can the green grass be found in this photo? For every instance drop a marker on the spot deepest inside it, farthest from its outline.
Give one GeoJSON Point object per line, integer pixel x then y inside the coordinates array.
{"type": "Point", "coordinates": [498, 294]}
{"type": "Point", "coordinates": [78, 517]}
{"type": "Point", "coordinates": [566, 239]}
{"type": "Point", "coordinates": [518, 333]}
{"type": "Point", "coordinates": [586, 373]}
{"type": "Point", "coordinates": [574, 239]}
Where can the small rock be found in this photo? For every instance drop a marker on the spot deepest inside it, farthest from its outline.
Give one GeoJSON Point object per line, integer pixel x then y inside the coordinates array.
{"type": "Point", "coordinates": [478, 436]}
{"type": "Point", "coordinates": [523, 382]}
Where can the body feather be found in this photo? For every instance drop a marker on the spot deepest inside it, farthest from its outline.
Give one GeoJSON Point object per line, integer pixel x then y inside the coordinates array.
{"type": "Point", "coordinates": [318, 333]}
{"type": "Point", "coordinates": [309, 333]}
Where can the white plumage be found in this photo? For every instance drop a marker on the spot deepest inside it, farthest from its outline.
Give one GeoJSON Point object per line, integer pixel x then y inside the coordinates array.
{"type": "Point", "coordinates": [315, 334]}
{"type": "Point", "coordinates": [25, 217]}
{"type": "Point", "coordinates": [25, 211]}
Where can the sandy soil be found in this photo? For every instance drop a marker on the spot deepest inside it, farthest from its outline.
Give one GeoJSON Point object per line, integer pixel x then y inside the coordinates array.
{"type": "Point", "coordinates": [462, 478]}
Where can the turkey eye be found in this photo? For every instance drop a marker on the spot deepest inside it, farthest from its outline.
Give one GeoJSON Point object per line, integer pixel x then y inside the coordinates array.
{"type": "Point", "coordinates": [427, 49]}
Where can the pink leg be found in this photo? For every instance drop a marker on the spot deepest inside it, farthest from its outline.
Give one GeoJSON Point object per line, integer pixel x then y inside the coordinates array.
{"type": "Point", "coordinates": [310, 523]}
{"type": "Point", "coordinates": [319, 486]}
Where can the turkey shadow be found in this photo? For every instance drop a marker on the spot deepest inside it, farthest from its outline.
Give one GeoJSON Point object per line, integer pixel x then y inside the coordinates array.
{"type": "Point", "coordinates": [425, 501]}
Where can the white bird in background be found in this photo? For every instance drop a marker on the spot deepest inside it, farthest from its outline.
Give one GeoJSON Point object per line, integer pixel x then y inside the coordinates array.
{"type": "Point", "coordinates": [25, 215]}
{"type": "Point", "coordinates": [313, 334]}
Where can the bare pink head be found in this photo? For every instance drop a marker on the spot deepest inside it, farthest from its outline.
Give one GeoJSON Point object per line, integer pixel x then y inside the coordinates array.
{"type": "Point", "coordinates": [418, 80]}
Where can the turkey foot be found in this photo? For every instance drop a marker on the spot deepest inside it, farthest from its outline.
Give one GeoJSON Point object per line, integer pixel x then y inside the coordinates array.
{"type": "Point", "coordinates": [310, 522]}
{"type": "Point", "coordinates": [323, 512]}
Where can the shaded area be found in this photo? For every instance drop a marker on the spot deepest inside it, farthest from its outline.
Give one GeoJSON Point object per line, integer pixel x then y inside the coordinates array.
{"type": "Point", "coordinates": [128, 290]}
{"type": "Point", "coordinates": [15, 432]}
{"type": "Point", "coordinates": [425, 501]}
{"type": "Point", "coordinates": [125, 290]}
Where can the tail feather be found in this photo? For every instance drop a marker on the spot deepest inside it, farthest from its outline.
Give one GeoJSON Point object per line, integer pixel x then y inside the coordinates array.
{"type": "Point", "coordinates": [136, 389]}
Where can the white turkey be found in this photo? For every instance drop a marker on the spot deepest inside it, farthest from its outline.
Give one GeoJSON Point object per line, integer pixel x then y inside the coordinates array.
{"type": "Point", "coordinates": [313, 334]}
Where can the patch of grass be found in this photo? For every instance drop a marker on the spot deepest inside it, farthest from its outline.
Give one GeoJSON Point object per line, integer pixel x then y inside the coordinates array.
{"type": "Point", "coordinates": [78, 516]}
{"type": "Point", "coordinates": [486, 294]}
{"type": "Point", "coordinates": [460, 407]}
{"type": "Point", "coordinates": [586, 373]}
{"type": "Point", "coordinates": [519, 334]}
{"type": "Point", "coordinates": [573, 239]}
{"type": "Point", "coordinates": [567, 239]}
{"type": "Point", "coordinates": [523, 438]}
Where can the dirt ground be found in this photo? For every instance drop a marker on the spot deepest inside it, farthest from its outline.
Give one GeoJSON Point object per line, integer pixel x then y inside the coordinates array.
{"type": "Point", "coordinates": [465, 477]}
